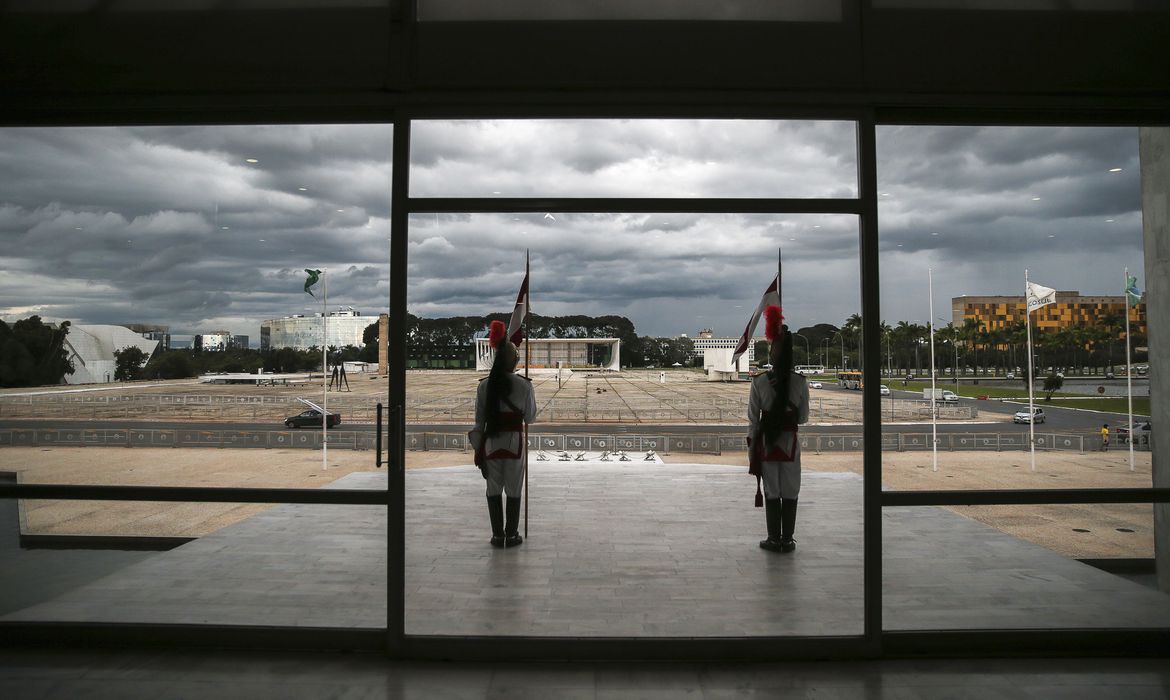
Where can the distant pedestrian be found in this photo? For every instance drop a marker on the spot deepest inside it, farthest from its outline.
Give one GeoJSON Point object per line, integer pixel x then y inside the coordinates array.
{"type": "Point", "coordinates": [777, 404]}
{"type": "Point", "coordinates": [1105, 437]}
{"type": "Point", "coordinates": [504, 402]}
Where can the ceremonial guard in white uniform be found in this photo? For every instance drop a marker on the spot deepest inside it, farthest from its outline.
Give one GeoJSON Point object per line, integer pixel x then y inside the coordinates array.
{"type": "Point", "coordinates": [504, 402]}
{"type": "Point", "coordinates": [773, 447]}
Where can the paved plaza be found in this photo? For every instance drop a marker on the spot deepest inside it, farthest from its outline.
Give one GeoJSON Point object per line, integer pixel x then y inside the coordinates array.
{"type": "Point", "coordinates": [678, 396]}
{"type": "Point", "coordinates": [661, 551]}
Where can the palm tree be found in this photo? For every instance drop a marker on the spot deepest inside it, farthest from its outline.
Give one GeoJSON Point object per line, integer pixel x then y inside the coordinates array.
{"type": "Point", "coordinates": [1112, 323]}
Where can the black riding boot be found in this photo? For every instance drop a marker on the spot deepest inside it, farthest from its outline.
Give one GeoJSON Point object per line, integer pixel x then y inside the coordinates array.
{"type": "Point", "coordinates": [787, 544]}
{"type": "Point", "coordinates": [512, 538]}
{"type": "Point", "coordinates": [496, 514]}
{"type": "Point", "coordinates": [772, 513]}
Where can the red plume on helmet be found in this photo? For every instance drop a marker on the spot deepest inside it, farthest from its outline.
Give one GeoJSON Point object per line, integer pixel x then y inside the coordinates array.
{"type": "Point", "coordinates": [496, 333]}
{"type": "Point", "coordinates": [773, 317]}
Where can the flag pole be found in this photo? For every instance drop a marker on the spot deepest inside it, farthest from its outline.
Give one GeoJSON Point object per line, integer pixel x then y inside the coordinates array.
{"type": "Point", "coordinates": [1031, 397]}
{"type": "Point", "coordinates": [527, 361]}
{"type": "Point", "coordinates": [1128, 372]}
{"type": "Point", "coordinates": [933, 395]}
{"type": "Point", "coordinates": [325, 374]}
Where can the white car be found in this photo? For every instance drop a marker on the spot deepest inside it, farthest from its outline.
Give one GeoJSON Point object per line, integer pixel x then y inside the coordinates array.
{"type": "Point", "coordinates": [885, 390]}
{"type": "Point", "coordinates": [948, 395]}
{"type": "Point", "coordinates": [1022, 416]}
{"type": "Point", "coordinates": [815, 385]}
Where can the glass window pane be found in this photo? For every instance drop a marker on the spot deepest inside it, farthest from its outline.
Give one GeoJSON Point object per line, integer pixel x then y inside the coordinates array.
{"type": "Point", "coordinates": [627, 437]}
{"type": "Point", "coordinates": [633, 158]}
{"type": "Point", "coordinates": [1020, 567]}
{"type": "Point", "coordinates": [968, 211]}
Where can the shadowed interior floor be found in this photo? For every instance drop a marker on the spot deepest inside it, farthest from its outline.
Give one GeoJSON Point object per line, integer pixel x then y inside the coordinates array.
{"type": "Point", "coordinates": [613, 550]}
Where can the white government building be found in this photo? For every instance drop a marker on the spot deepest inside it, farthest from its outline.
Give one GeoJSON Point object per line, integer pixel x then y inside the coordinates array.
{"type": "Point", "coordinates": [302, 332]}
{"type": "Point", "coordinates": [707, 340]}
{"type": "Point", "coordinates": [91, 347]}
{"type": "Point", "coordinates": [549, 353]}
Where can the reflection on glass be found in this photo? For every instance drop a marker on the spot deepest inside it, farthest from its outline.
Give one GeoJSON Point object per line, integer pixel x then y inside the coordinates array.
{"type": "Point", "coordinates": [633, 158]}
{"type": "Point", "coordinates": [1021, 567]}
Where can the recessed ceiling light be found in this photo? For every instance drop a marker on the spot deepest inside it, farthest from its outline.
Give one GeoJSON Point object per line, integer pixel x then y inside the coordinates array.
{"type": "Point", "coordinates": [885, 194]}
{"type": "Point", "coordinates": [792, 239]}
{"type": "Point", "coordinates": [223, 228]}
{"type": "Point", "coordinates": [1108, 221]}
{"type": "Point", "coordinates": [934, 233]}
{"type": "Point", "coordinates": [78, 228]}
{"type": "Point", "coordinates": [817, 226]}
{"type": "Point", "coordinates": [263, 241]}
{"type": "Point", "coordinates": [251, 160]}
{"type": "Point", "coordinates": [1035, 199]}
{"type": "Point", "coordinates": [1052, 235]}
{"type": "Point", "coordinates": [1114, 170]}
{"type": "Point", "coordinates": [340, 211]}
{"type": "Point", "coordinates": [495, 192]}
{"type": "Point", "coordinates": [899, 245]}
{"type": "Point", "coordinates": [303, 189]}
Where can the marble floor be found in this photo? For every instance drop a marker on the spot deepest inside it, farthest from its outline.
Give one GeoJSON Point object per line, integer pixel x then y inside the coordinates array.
{"type": "Point", "coordinates": [613, 550]}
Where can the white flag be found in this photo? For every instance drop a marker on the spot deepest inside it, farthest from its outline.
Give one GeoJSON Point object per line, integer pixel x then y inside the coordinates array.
{"type": "Point", "coordinates": [771, 296]}
{"type": "Point", "coordinates": [1039, 296]}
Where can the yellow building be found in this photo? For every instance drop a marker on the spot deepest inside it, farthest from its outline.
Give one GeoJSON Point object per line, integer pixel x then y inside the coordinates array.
{"type": "Point", "coordinates": [1070, 309]}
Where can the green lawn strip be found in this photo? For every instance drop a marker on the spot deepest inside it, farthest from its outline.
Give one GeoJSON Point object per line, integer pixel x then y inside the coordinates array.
{"type": "Point", "coordinates": [973, 390]}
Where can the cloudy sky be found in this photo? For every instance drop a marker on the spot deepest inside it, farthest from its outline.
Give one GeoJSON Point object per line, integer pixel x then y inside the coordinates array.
{"type": "Point", "coordinates": [207, 228]}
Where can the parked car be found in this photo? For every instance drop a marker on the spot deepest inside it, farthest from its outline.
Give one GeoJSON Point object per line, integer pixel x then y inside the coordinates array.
{"type": "Point", "coordinates": [1141, 432]}
{"type": "Point", "coordinates": [815, 385]}
{"type": "Point", "coordinates": [949, 395]}
{"type": "Point", "coordinates": [1010, 375]}
{"type": "Point", "coordinates": [1022, 416]}
{"type": "Point", "coordinates": [885, 390]}
{"type": "Point", "coordinates": [311, 418]}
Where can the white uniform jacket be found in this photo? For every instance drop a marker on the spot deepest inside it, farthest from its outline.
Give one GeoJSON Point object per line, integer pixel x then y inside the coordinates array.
{"type": "Point", "coordinates": [524, 399]}
{"type": "Point", "coordinates": [763, 396]}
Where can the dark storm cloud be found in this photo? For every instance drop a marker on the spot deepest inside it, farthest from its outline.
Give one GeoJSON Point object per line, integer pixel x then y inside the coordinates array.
{"type": "Point", "coordinates": [175, 225]}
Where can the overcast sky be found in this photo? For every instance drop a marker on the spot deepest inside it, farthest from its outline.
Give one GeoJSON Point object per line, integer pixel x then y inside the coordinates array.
{"type": "Point", "coordinates": [176, 226]}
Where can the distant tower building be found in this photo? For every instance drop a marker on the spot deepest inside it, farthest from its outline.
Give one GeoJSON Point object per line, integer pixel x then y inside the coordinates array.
{"type": "Point", "coordinates": [303, 332]}
{"type": "Point", "coordinates": [216, 341]}
{"type": "Point", "coordinates": [152, 331]}
{"type": "Point", "coordinates": [1071, 309]}
{"type": "Point", "coordinates": [239, 341]}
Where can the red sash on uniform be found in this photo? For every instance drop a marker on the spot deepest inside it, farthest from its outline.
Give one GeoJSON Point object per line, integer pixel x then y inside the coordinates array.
{"type": "Point", "coordinates": [506, 423]}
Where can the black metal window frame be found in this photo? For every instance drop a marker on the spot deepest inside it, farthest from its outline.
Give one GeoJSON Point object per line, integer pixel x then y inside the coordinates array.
{"type": "Point", "coordinates": [874, 641]}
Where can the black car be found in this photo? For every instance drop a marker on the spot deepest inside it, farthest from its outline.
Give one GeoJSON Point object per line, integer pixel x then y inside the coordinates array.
{"type": "Point", "coordinates": [311, 419]}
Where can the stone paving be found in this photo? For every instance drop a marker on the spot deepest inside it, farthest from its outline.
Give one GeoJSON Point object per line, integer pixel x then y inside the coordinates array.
{"type": "Point", "coordinates": [665, 550]}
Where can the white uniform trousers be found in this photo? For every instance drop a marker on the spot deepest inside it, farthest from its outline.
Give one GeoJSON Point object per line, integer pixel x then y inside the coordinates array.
{"type": "Point", "coordinates": [505, 475]}
{"type": "Point", "coordinates": [781, 479]}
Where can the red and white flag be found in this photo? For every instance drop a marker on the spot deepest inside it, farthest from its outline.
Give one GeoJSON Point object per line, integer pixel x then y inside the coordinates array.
{"type": "Point", "coordinates": [771, 297]}
{"type": "Point", "coordinates": [515, 331]}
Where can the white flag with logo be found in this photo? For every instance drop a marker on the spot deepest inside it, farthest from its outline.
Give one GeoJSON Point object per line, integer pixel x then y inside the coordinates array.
{"type": "Point", "coordinates": [1039, 296]}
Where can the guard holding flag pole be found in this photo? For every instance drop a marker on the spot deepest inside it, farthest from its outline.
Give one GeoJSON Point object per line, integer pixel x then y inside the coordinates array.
{"type": "Point", "coordinates": [777, 404]}
{"type": "Point", "coordinates": [504, 404]}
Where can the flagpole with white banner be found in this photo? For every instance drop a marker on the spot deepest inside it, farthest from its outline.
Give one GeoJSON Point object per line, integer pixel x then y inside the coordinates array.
{"type": "Point", "coordinates": [1031, 397]}
{"type": "Point", "coordinates": [1035, 297]}
{"type": "Point", "coordinates": [933, 395]}
{"type": "Point", "coordinates": [771, 296]}
{"type": "Point", "coordinates": [1129, 285]}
